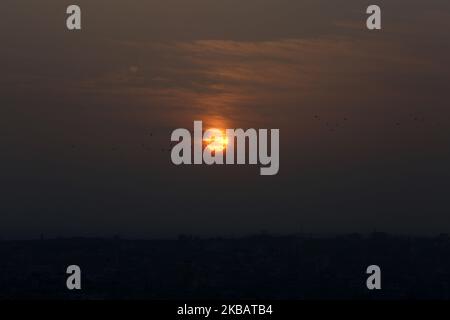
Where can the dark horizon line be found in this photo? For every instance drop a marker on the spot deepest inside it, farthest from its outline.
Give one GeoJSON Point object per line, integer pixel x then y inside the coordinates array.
{"type": "Point", "coordinates": [193, 237]}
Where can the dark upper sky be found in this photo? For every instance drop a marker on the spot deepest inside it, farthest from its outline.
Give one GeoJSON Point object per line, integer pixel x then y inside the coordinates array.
{"type": "Point", "coordinates": [364, 116]}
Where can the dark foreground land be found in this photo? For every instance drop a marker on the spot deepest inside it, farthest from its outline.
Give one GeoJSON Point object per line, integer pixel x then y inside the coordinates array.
{"type": "Point", "coordinates": [258, 267]}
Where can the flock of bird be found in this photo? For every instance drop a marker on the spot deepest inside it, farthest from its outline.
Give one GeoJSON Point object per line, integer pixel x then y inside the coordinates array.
{"type": "Point", "coordinates": [143, 146]}
{"type": "Point", "coordinates": [331, 126]}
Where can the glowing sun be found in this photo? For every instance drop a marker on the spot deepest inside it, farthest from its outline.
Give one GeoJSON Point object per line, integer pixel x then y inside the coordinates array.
{"type": "Point", "coordinates": [215, 140]}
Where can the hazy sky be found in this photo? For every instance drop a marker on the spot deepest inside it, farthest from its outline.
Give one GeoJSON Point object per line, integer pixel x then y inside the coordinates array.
{"type": "Point", "coordinates": [363, 116]}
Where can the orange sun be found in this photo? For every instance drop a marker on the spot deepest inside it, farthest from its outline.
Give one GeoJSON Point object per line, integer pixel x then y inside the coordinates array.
{"type": "Point", "coordinates": [216, 140]}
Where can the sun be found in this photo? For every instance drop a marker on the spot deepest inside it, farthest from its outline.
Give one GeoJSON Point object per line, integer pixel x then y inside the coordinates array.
{"type": "Point", "coordinates": [216, 140]}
